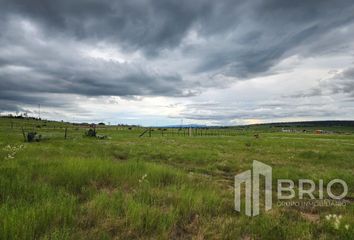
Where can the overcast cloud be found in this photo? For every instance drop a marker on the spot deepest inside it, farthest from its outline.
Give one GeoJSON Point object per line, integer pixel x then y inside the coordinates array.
{"type": "Point", "coordinates": [154, 62]}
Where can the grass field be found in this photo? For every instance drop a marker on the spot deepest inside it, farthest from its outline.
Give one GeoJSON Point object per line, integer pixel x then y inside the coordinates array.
{"type": "Point", "coordinates": [162, 187]}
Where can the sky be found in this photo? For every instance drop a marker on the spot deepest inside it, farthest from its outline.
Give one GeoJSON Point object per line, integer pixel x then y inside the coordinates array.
{"type": "Point", "coordinates": [161, 62]}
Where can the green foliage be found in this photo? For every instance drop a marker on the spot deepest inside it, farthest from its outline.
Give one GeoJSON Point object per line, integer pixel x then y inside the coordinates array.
{"type": "Point", "coordinates": [33, 137]}
{"type": "Point", "coordinates": [91, 132]}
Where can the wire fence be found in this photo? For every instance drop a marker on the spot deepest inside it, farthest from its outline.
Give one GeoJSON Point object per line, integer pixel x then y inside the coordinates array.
{"type": "Point", "coordinates": [62, 130]}
{"type": "Point", "coordinates": [188, 132]}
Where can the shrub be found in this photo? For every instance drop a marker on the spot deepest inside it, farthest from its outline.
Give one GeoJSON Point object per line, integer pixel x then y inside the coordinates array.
{"type": "Point", "coordinates": [33, 137]}
{"type": "Point", "coordinates": [91, 133]}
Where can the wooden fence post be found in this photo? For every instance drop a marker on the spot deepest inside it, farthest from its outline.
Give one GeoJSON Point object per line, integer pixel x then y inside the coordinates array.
{"type": "Point", "coordinates": [23, 133]}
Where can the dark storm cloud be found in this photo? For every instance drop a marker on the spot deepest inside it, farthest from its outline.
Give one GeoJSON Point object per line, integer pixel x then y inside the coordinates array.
{"type": "Point", "coordinates": [15, 101]}
{"type": "Point", "coordinates": [146, 24]}
{"type": "Point", "coordinates": [340, 83]}
{"type": "Point", "coordinates": [220, 113]}
{"type": "Point", "coordinates": [35, 67]}
{"type": "Point", "coordinates": [274, 30]}
{"type": "Point", "coordinates": [8, 106]}
{"type": "Point", "coordinates": [40, 43]}
{"type": "Point", "coordinates": [91, 78]}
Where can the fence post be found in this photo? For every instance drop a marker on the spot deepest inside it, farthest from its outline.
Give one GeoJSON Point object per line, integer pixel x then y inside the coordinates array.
{"type": "Point", "coordinates": [66, 130]}
{"type": "Point", "coordinates": [23, 133]}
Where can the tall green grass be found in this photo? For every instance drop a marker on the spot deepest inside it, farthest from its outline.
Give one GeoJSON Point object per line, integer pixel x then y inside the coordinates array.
{"type": "Point", "coordinates": [160, 187]}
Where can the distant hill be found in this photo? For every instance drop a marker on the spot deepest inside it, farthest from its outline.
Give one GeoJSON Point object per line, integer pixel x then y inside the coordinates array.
{"type": "Point", "coordinates": [331, 123]}
{"type": "Point", "coordinates": [328, 124]}
{"type": "Point", "coordinates": [318, 124]}
{"type": "Point", "coordinates": [309, 126]}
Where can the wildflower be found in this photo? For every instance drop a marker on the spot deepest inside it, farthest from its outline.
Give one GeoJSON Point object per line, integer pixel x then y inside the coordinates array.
{"type": "Point", "coordinates": [7, 148]}
{"type": "Point", "coordinates": [336, 225]}
{"type": "Point", "coordinates": [12, 150]}
{"type": "Point", "coordinates": [143, 178]}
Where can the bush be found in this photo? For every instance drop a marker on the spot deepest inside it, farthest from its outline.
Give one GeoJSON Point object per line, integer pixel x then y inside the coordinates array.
{"type": "Point", "coordinates": [33, 137]}
{"type": "Point", "coordinates": [91, 133]}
